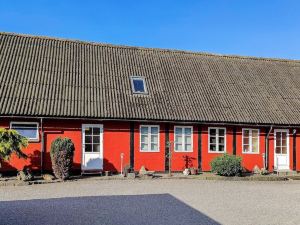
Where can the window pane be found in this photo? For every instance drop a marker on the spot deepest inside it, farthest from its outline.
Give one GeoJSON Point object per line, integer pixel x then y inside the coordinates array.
{"type": "Point", "coordinates": [284, 142]}
{"type": "Point", "coordinates": [213, 140]}
{"type": "Point", "coordinates": [246, 141]}
{"type": "Point", "coordinates": [188, 140]}
{"type": "Point", "coordinates": [144, 147]}
{"type": "Point", "coordinates": [154, 138]}
{"type": "Point", "coordinates": [255, 133]}
{"type": "Point", "coordinates": [212, 147]}
{"type": "Point", "coordinates": [212, 132]}
{"type": "Point", "coordinates": [221, 148]}
{"type": "Point", "coordinates": [88, 131]}
{"type": "Point", "coordinates": [96, 139]}
{"type": "Point", "coordinates": [154, 130]}
{"type": "Point", "coordinates": [88, 139]}
{"type": "Point", "coordinates": [27, 132]}
{"type": "Point", "coordinates": [255, 143]}
{"type": "Point", "coordinates": [178, 139]}
{"type": "Point", "coordinates": [144, 138]}
{"type": "Point", "coordinates": [221, 140]}
{"type": "Point", "coordinates": [138, 85]}
{"type": "Point", "coordinates": [246, 133]}
{"type": "Point", "coordinates": [278, 150]}
{"type": "Point", "coordinates": [144, 130]}
{"type": "Point", "coordinates": [278, 139]}
{"type": "Point", "coordinates": [88, 147]}
{"type": "Point", "coordinates": [154, 147]}
{"type": "Point", "coordinates": [188, 147]}
{"type": "Point", "coordinates": [188, 131]}
{"type": "Point", "coordinates": [178, 130]}
{"type": "Point", "coordinates": [246, 148]}
{"type": "Point", "coordinates": [178, 147]}
{"type": "Point", "coordinates": [284, 135]}
{"type": "Point", "coordinates": [96, 148]}
{"type": "Point", "coordinates": [96, 131]}
{"type": "Point", "coordinates": [221, 132]}
{"type": "Point", "coordinates": [284, 150]}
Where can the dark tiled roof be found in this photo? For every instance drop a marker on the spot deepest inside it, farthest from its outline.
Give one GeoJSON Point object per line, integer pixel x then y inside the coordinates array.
{"type": "Point", "coordinates": [49, 77]}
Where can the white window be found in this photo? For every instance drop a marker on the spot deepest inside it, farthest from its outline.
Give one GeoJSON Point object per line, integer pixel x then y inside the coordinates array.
{"type": "Point", "coordinates": [29, 130]}
{"type": "Point", "coordinates": [250, 141]}
{"type": "Point", "coordinates": [216, 139]}
{"type": "Point", "coordinates": [183, 139]}
{"type": "Point", "coordinates": [149, 139]}
{"type": "Point", "coordinates": [138, 85]}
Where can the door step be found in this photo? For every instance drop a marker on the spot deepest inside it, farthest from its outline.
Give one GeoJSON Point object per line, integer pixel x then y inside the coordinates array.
{"type": "Point", "coordinates": [286, 172]}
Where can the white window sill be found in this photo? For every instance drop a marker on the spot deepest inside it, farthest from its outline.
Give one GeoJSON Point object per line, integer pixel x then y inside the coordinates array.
{"type": "Point", "coordinates": [250, 153]}
{"type": "Point", "coordinates": [217, 152]}
{"type": "Point", "coordinates": [148, 151]}
{"type": "Point", "coordinates": [183, 151]}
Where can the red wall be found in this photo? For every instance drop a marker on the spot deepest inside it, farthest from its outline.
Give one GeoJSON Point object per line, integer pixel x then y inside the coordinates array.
{"type": "Point", "coordinates": [182, 160]}
{"type": "Point", "coordinates": [249, 161]}
{"type": "Point", "coordinates": [116, 140]}
{"type": "Point", "coordinates": [154, 161]}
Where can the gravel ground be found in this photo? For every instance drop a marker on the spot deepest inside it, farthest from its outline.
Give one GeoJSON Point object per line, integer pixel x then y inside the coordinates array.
{"type": "Point", "coordinates": [152, 202]}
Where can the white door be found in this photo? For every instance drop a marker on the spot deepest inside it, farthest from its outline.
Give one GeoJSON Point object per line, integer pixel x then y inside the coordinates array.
{"type": "Point", "coordinates": [281, 149]}
{"type": "Point", "coordinates": [92, 147]}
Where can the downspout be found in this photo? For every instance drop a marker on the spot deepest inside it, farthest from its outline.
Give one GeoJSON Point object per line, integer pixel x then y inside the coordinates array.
{"type": "Point", "coordinates": [267, 148]}
{"type": "Point", "coordinates": [42, 146]}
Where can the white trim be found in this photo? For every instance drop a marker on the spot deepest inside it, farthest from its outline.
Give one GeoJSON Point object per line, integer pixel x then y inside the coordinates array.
{"type": "Point", "coordinates": [250, 141]}
{"type": "Point", "coordinates": [83, 126]}
{"type": "Point", "coordinates": [144, 83]}
{"type": "Point", "coordinates": [37, 138]}
{"type": "Point", "coordinates": [149, 138]}
{"type": "Point", "coordinates": [287, 149]}
{"type": "Point", "coordinates": [183, 139]}
{"type": "Point", "coordinates": [217, 139]}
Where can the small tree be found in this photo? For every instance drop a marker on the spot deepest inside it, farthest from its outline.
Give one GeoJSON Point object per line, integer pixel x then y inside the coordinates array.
{"type": "Point", "coordinates": [227, 165]}
{"type": "Point", "coordinates": [11, 142]}
{"type": "Point", "coordinates": [62, 152]}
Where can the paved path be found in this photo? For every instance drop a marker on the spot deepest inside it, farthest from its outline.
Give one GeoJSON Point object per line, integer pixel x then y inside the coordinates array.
{"type": "Point", "coordinates": [135, 202]}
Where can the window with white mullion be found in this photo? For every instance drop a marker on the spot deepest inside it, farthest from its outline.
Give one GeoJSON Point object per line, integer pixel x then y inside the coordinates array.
{"type": "Point", "coordinates": [183, 139]}
{"type": "Point", "coordinates": [149, 138]}
{"type": "Point", "coordinates": [217, 141]}
{"type": "Point", "coordinates": [250, 140]}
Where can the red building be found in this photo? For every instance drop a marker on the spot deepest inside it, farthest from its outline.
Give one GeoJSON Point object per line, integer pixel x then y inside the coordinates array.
{"type": "Point", "coordinates": [144, 103]}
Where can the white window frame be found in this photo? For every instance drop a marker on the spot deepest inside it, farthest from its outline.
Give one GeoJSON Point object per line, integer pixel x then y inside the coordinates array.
{"type": "Point", "coordinates": [250, 140]}
{"type": "Point", "coordinates": [217, 139]}
{"type": "Point", "coordinates": [183, 139]}
{"type": "Point", "coordinates": [37, 138]}
{"type": "Point", "coordinates": [144, 82]}
{"type": "Point", "coordinates": [149, 138]}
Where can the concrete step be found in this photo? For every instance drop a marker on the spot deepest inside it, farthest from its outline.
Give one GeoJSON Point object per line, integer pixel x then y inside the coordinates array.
{"type": "Point", "coordinates": [286, 173]}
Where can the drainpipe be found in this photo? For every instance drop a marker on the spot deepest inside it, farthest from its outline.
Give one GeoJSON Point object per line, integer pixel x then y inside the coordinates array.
{"type": "Point", "coordinates": [267, 148]}
{"type": "Point", "coordinates": [42, 146]}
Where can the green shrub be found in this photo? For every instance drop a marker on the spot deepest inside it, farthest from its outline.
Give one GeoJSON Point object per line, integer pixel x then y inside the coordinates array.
{"type": "Point", "coordinates": [62, 152]}
{"type": "Point", "coordinates": [227, 165]}
{"type": "Point", "coordinates": [11, 142]}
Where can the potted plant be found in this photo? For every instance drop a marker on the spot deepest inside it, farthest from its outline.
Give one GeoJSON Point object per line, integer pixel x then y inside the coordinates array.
{"type": "Point", "coordinates": [194, 171]}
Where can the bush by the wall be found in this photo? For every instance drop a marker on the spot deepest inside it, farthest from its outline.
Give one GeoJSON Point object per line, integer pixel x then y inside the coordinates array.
{"type": "Point", "coordinates": [227, 165]}
{"type": "Point", "coordinates": [62, 152]}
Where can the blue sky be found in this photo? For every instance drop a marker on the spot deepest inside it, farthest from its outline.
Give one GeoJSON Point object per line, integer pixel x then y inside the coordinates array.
{"type": "Point", "coordinates": [267, 28]}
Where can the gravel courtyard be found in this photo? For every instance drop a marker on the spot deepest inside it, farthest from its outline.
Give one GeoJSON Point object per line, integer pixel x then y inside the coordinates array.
{"type": "Point", "coordinates": [136, 202]}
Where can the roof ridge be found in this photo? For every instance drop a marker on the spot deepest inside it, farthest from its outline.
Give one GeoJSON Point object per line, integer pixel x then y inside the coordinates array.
{"type": "Point", "coordinates": [152, 49]}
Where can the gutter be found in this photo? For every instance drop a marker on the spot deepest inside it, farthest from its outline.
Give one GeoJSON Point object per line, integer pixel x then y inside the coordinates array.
{"type": "Point", "coordinates": [162, 121]}
{"type": "Point", "coordinates": [42, 146]}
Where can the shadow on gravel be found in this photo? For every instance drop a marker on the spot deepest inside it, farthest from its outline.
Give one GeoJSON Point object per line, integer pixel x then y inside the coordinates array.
{"type": "Point", "coordinates": [162, 209]}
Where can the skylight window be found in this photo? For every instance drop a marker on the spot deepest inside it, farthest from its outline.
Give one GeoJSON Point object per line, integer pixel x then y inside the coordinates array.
{"type": "Point", "coordinates": [138, 85]}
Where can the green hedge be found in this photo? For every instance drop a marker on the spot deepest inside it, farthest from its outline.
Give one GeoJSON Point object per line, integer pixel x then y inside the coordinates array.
{"type": "Point", "coordinates": [62, 152]}
{"type": "Point", "coordinates": [227, 165]}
